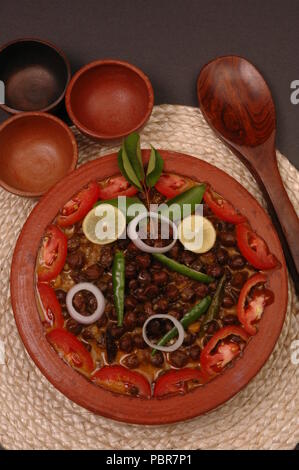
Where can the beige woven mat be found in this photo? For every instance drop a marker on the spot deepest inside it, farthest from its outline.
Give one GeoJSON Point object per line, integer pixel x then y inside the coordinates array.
{"type": "Point", "coordinates": [34, 415]}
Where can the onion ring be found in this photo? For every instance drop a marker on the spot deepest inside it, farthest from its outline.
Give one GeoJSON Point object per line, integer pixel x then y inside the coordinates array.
{"type": "Point", "coordinates": [177, 324]}
{"type": "Point", "coordinates": [101, 302]}
{"type": "Point", "coordinates": [133, 235]}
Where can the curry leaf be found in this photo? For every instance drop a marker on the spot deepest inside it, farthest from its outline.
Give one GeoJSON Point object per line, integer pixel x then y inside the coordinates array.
{"type": "Point", "coordinates": [151, 162]}
{"type": "Point", "coordinates": [121, 166]}
{"type": "Point", "coordinates": [126, 168]}
{"type": "Point", "coordinates": [154, 169]}
{"type": "Point", "coordinates": [132, 146]}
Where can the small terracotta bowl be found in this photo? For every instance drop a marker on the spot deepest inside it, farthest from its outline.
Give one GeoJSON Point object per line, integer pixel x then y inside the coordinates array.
{"type": "Point", "coordinates": [36, 151]}
{"type": "Point", "coordinates": [35, 74]}
{"type": "Point", "coordinates": [109, 99]}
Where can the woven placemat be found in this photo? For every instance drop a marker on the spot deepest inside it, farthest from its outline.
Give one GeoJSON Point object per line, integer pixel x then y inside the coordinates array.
{"type": "Point", "coordinates": [34, 415]}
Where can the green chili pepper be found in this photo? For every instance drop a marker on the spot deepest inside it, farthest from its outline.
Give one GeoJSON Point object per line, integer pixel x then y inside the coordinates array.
{"type": "Point", "coordinates": [214, 307]}
{"type": "Point", "coordinates": [190, 317]}
{"type": "Point", "coordinates": [118, 280]}
{"type": "Point", "coordinates": [182, 269]}
{"type": "Point", "coordinates": [191, 197]}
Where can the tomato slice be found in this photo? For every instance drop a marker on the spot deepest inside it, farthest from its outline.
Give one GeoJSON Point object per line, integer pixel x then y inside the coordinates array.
{"type": "Point", "coordinates": [254, 248]}
{"type": "Point", "coordinates": [171, 185]}
{"type": "Point", "coordinates": [116, 186]}
{"type": "Point", "coordinates": [221, 350]}
{"type": "Point", "coordinates": [52, 254]}
{"type": "Point", "coordinates": [72, 349]}
{"type": "Point", "coordinates": [252, 312]}
{"type": "Point", "coordinates": [178, 381]}
{"type": "Point", "coordinates": [80, 204]}
{"type": "Point", "coordinates": [52, 315]}
{"type": "Point", "coordinates": [121, 380]}
{"type": "Point", "coordinates": [223, 209]}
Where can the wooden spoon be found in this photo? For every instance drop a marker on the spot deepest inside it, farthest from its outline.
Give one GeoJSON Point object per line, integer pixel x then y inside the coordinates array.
{"type": "Point", "coordinates": [237, 103]}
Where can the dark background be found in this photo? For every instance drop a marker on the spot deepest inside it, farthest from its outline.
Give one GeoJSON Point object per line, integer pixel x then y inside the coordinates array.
{"type": "Point", "coordinates": [171, 40]}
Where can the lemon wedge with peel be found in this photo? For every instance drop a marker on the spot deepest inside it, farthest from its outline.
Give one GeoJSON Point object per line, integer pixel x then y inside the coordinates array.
{"type": "Point", "coordinates": [104, 224]}
{"type": "Point", "coordinates": [197, 233]}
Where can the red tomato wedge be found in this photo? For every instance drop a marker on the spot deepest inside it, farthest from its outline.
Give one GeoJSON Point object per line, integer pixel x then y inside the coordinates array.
{"type": "Point", "coordinates": [171, 185]}
{"type": "Point", "coordinates": [80, 204]}
{"type": "Point", "coordinates": [223, 209]}
{"type": "Point", "coordinates": [178, 381]}
{"type": "Point", "coordinates": [221, 349]}
{"type": "Point", "coordinates": [254, 248]}
{"type": "Point", "coordinates": [252, 312]}
{"type": "Point", "coordinates": [52, 315]}
{"type": "Point", "coordinates": [72, 349]}
{"type": "Point", "coordinates": [121, 380]}
{"type": "Point", "coordinates": [52, 254]}
{"type": "Point", "coordinates": [116, 186]}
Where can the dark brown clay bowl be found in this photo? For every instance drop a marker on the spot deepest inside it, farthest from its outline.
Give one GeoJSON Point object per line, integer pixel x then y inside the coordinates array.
{"type": "Point", "coordinates": [35, 74]}
{"type": "Point", "coordinates": [36, 151]}
{"type": "Point", "coordinates": [104, 402]}
{"type": "Point", "coordinates": [109, 99]}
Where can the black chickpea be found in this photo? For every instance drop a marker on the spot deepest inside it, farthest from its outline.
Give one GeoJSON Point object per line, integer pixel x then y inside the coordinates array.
{"type": "Point", "coordinates": [76, 260]}
{"type": "Point", "coordinates": [157, 360]}
{"type": "Point", "coordinates": [73, 326]}
{"type": "Point", "coordinates": [116, 331]}
{"type": "Point", "coordinates": [126, 343]}
{"type": "Point", "coordinates": [131, 361]}
{"type": "Point", "coordinates": [61, 296]}
{"type": "Point", "coordinates": [227, 238]}
{"type": "Point", "coordinates": [73, 244]}
{"type": "Point", "coordinates": [195, 352]}
{"type": "Point", "coordinates": [130, 320]}
{"type": "Point", "coordinates": [160, 278]}
{"type": "Point", "coordinates": [93, 272]}
{"type": "Point", "coordinates": [131, 270]}
{"type": "Point", "coordinates": [227, 301]}
{"type": "Point", "coordinates": [237, 262]}
{"type": "Point", "coordinates": [143, 261]}
{"type": "Point", "coordinates": [178, 358]}
{"type": "Point", "coordinates": [139, 342]}
{"type": "Point", "coordinates": [144, 277]}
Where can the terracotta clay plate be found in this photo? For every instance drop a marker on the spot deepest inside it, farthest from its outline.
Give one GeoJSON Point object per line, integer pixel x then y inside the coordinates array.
{"type": "Point", "coordinates": [121, 407]}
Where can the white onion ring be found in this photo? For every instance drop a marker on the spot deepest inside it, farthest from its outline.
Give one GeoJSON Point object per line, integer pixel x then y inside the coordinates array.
{"type": "Point", "coordinates": [133, 235]}
{"type": "Point", "coordinates": [101, 302]}
{"type": "Point", "coordinates": [178, 326]}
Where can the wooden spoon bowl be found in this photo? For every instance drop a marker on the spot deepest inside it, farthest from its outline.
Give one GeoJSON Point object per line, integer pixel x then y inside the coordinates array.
{"type": "Point", "coordinates": [237, 104]}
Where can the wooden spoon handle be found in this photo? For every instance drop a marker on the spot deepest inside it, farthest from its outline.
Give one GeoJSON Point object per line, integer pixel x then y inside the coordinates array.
{"type": "Point", "coordinates": [282, 212]}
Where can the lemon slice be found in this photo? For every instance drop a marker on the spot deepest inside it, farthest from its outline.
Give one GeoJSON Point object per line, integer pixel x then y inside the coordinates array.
{"type": "Point", "coordinates": [104, 224]}
{"type": "Point", "coordinates": [196, 233]}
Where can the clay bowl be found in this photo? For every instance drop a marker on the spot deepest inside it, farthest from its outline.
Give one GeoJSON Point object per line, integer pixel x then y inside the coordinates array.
{"type": "Point", "coordinates": [35, 74]}
{"type": "Point", "coordinates": [106, 403]}
{"type": "Point", "coordinates": [109, 99]}
{"type": "Point", "coordinates": [36, 151]}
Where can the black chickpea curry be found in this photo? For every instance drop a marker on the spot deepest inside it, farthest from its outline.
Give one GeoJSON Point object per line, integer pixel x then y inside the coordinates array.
{"type": "Point", "coordinates": [144, 314]}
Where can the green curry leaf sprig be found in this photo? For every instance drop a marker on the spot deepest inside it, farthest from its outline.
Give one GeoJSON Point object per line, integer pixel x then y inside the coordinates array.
{"type": "Point", "coordinates": [131, 165]}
